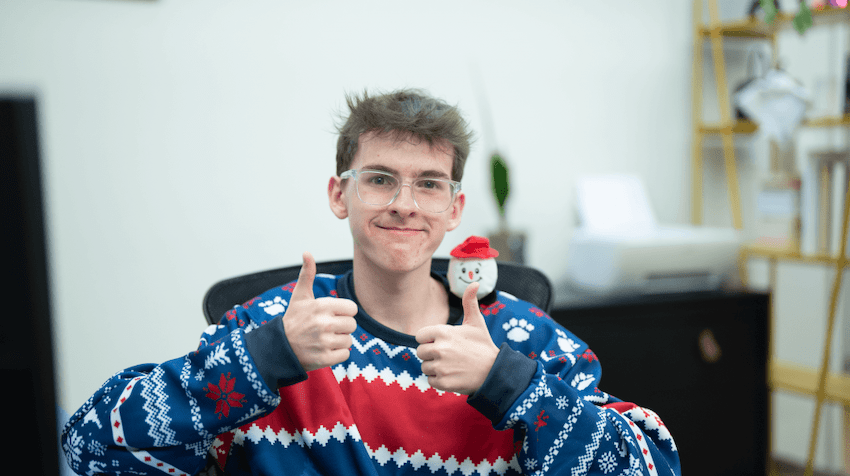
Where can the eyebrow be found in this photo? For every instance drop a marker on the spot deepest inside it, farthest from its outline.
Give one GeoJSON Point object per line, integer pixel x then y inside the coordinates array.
{"type": "Point", "coordinates": [424, 173]}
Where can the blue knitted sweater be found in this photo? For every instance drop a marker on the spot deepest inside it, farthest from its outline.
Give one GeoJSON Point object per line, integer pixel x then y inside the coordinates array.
{"type": "Point", "coordinates": [243, 403]}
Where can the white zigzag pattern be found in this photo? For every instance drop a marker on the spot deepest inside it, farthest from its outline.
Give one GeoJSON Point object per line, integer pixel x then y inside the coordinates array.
{"type": "Point", "coordinates": [450, 465]}
{"type": "Point", "coordinates": [649, 420]}
{"type": "Point", "coordinates": [586, 459]}
{"type": "Point", "coordinates": [549, 459]}
{"type": "Point", "coordinates": [370, 373]}
{"type": "Point", "coordinates": [302, 438]}
{"type": "Point", "coordinates": [382, 455]}
{"type": "Point", "coordinates": [541, 389]}
{"type": "Point", "coordinates": [390, 351]}
{"type": "Point", "coordinates": [153, 391]}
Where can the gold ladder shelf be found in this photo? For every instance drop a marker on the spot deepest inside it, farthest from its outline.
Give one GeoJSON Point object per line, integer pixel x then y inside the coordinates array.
{"type": "Point", "coordinates": [821, 384]}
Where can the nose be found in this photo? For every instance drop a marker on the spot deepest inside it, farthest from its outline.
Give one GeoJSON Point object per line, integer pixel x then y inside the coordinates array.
{"type": "Point", "coordinates": [404, 203]}
{"type": "Point", "coordinates": [470, 275]}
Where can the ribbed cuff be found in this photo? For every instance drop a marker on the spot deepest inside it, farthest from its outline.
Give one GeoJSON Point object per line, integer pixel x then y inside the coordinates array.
{"type": "Point", "coordinates": [275, 359]}
{"type": "Point", "coordinates": [508, 378]}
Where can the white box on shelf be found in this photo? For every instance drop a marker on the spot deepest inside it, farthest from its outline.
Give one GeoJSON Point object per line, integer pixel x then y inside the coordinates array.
{"type": "Point", "coordinates": [620, 249]}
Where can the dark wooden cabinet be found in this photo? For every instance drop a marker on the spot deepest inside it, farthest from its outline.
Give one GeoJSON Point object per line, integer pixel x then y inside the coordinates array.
{"type": "Point", "coordinates": [699, 360]}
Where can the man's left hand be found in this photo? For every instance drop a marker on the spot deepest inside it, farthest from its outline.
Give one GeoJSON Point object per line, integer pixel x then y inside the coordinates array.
{"type": "Point", "coordinates": [458, 358]}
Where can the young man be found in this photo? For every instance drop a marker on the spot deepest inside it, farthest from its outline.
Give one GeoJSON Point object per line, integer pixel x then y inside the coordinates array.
{"type": "Point", "coordinates": [381, 370]}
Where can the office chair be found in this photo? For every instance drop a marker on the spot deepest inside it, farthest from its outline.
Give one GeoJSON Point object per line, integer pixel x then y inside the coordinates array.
{"type": "Point", "coordinates": [526, 283]}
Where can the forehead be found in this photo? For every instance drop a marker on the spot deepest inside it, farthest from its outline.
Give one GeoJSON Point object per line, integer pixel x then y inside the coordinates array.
{"type": "Point", "coordinates": [406, 155]}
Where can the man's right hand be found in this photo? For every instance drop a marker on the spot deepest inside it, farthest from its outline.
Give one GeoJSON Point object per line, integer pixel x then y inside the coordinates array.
{"type": "Point", "coordinates": [319, 330]}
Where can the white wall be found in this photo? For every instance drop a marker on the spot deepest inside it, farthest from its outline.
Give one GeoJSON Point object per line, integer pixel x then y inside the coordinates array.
{"type": "Point", "coordinates": [188, 141]}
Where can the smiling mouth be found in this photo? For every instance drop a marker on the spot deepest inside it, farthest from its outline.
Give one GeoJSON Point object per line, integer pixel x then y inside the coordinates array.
{"type": "Point", "coordinates": [469, 282]}
{"type": "Point", "coordinates": [403, 231]}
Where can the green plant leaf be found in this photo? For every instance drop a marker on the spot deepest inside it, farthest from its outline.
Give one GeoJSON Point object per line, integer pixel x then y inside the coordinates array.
{"type": "Point", "coordinates": [501, 186]}
{"type": "Point", "coordinates": [769, 10]}
{"type": "Point", "coordinates": [803, 20]}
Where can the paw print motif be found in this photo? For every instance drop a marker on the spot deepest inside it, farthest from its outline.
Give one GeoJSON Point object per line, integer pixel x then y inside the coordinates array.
{"type": "Point", "coordinates": [518, 330]}
{"type": "Point", "coordinates": [581, 381]}
{"type": "Point", "coordinates": [565, 343]}
{"type": "Point", "coordinates": [274, 307]}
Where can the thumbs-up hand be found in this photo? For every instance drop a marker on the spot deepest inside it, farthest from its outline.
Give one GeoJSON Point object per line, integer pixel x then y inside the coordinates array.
{"type": "Point", "coordinates": [318, 330]}
{"type": "Point", "coordinates": [458, 358]}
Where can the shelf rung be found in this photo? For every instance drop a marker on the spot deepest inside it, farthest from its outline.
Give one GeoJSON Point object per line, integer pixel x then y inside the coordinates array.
{"type": "Point", "coordinates": [789, 255]}
{"type": "Point", "coordinates": [757, 28]}
{"type": "Point", "coordinates": [800, 379]}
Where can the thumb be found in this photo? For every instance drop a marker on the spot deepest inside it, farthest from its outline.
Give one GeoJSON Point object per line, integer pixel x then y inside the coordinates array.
{"type": "Point", "coordinates": [304, 286]}
{"type": "Point", "coordinates": [471, 313]}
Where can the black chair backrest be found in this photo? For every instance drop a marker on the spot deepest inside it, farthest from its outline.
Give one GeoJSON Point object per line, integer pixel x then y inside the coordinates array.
{"type": "Point", "coordinates": [526, 283]}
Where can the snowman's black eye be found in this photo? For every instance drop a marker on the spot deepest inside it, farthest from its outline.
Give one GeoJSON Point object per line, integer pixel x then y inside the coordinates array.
{"type": "Point", "coordinates": [463, 270]}
{"type": "Point", "coordinates": [476, 271]}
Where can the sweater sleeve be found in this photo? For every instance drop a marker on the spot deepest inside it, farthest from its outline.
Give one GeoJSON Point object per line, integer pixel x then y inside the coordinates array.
{"type": "Point", "coordinates": [163, 419]}
{"type": "Point", "coordinates": [546, 390]}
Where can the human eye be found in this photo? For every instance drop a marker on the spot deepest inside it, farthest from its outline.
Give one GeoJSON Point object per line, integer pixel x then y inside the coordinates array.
{"type": "Point", "coordinates": [378, 179]}
{"type": "Point", "coordinates": [431, 185]}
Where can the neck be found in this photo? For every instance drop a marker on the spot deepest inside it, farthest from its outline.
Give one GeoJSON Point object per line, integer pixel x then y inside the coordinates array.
{"type": "Point", "coordinates": [403, 301]}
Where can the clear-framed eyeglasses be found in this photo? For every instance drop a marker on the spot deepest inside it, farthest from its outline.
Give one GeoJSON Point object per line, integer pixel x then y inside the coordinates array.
{"type": "Point", "coordinates": [379, 188]}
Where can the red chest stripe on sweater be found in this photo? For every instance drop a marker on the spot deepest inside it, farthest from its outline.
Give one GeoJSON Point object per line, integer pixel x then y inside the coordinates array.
{"type": "Point", "coordinates": [415, 420]}
{"type": "Point", "coordinates": [388, 415]}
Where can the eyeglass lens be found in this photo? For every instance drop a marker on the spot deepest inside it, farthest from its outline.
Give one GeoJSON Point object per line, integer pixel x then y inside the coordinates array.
{"type": "Point", "coordinates": [431, 195]}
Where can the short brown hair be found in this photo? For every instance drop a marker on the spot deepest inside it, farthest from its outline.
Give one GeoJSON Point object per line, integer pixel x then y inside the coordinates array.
{"type": "Point", "coordinates": [401, 114]}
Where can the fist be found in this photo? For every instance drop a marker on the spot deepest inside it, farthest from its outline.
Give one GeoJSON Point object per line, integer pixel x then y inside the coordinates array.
{"type": "Point", "coordinates": [318, 330]}
{"type": "Point", "coordinates": [458, 358]}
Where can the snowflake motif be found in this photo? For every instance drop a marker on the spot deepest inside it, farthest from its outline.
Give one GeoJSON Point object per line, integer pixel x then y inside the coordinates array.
{"type": "Point", "coordinates": [530, 464]}
{"type": "Point", "coordinates": [200, 375]}
{"type": "Point", "coordinates": [97, 448]}
{"type": "Point", "coordinates": [224, 396]}
{"type": "Point", "coordinates": [74, 448]}
{"type": "Point", "coordinates": [608, 462]}
{"type": "Point", "coordinates": [562, 403]}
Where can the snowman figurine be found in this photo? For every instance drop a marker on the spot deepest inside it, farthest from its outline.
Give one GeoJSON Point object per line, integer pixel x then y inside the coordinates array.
{"type": "Point", "coordinates": [473, 261]}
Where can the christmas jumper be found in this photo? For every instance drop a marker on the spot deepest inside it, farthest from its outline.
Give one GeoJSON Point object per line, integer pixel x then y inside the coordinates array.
{"type": "Point", "coordinates": [243, 401]}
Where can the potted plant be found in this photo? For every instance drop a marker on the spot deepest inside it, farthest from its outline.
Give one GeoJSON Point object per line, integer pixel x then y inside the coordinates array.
{"type": "Point", "coordinates": [509, 243]}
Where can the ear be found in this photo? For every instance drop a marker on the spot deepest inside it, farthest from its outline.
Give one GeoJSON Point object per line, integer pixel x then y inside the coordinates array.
{"type": "Point", "coordinates": [336, 198]}
{"type": "Point", "coordinates": [456, 211]}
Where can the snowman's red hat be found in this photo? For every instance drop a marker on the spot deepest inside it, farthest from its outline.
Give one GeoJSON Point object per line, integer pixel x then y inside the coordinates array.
{"type": "Point", "coordinates": [474, 247]}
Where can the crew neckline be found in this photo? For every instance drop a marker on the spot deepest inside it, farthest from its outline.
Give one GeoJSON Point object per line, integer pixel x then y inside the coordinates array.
{"type": "Point", "coordinates": [345, 289]}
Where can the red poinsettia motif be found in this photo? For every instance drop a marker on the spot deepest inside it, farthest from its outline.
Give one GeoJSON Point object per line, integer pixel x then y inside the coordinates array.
{"type": "Point", "coordinates": [589, 355]}
{"type": "Point", "coordinates": [492, 308]}
{"type": "Point", "coordinates": [536, 311]}
{"type": "Point", "coordinates": [289, 287]}
{"type": "Point", "coordinates": [224, 395]}
{"type": "Point", "coordinates": [541, 420]}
